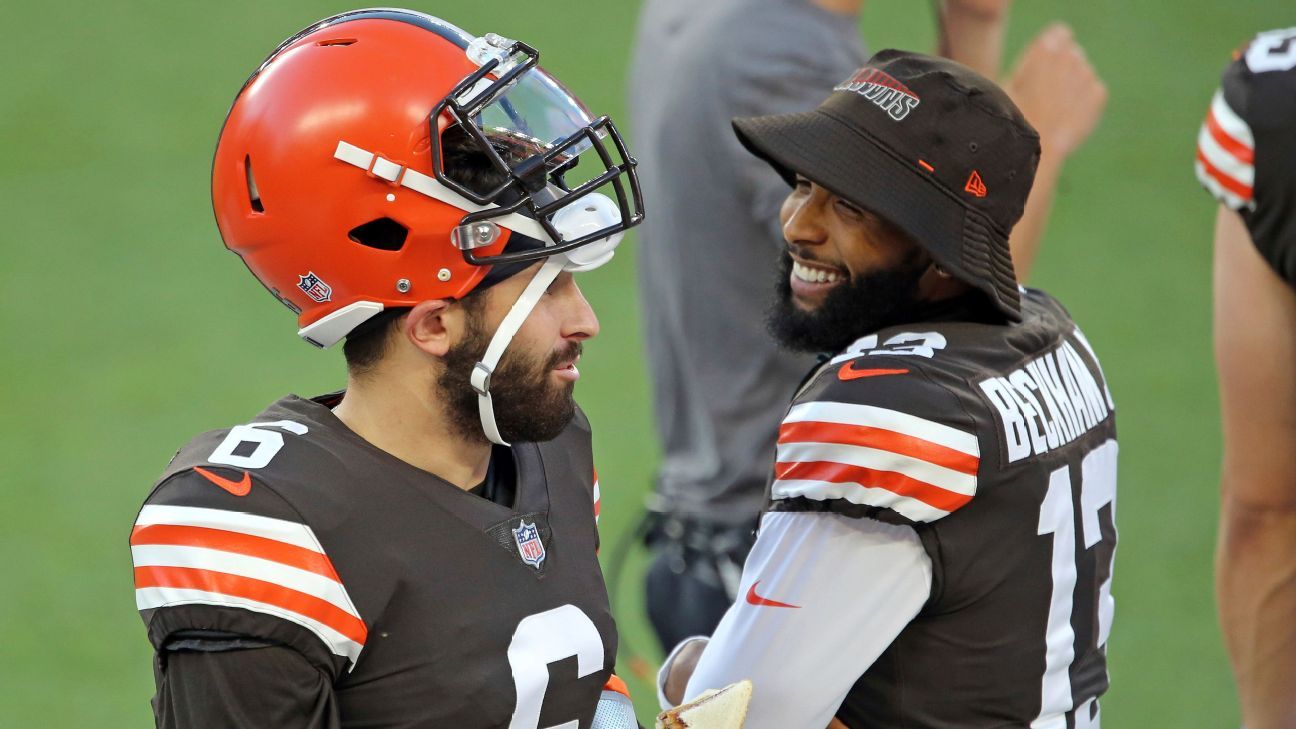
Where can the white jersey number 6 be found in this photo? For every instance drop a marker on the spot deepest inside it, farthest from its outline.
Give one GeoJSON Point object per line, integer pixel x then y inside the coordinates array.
{"type": "Point", "coordinates": [267, 443]}
{"type": "Point", "coordinates": [541, 639]}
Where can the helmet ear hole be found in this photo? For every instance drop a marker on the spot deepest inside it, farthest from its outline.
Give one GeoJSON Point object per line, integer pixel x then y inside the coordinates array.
{"type": "Point", "coordinates": [384, 234]}
{"type": "Point", "coordinates": [254, 195]}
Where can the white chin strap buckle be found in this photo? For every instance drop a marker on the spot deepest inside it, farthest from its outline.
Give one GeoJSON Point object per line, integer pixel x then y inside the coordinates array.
{"type": "Point", "coordinates": [480, 379]}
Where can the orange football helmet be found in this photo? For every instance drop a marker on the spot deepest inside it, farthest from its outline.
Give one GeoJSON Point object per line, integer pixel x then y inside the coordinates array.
{"type": "Point", "coordinates": [328, 179]}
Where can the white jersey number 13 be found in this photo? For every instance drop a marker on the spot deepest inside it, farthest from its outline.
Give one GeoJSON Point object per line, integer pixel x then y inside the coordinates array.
{"type": "Point", "coordinates": [1057, 517]}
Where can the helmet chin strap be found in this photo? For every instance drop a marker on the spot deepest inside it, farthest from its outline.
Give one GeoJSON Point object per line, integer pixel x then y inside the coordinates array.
{"type": "Point", "coordinates": [508, 328]}
{"type": "Point", "coordinates": [593, 212]}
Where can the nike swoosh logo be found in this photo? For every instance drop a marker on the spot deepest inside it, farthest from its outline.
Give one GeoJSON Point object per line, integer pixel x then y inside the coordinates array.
{"type": "Point", "coordinates": [755, 599]}
{"type": "Point", "coordinates": [847, 372]}
{"type": "Point", "coordinates": [238, 488]}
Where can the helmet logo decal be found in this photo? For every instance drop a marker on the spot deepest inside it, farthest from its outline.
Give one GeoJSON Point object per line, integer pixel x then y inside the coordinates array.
{"type": "Point", "coordinates": [315, 287]}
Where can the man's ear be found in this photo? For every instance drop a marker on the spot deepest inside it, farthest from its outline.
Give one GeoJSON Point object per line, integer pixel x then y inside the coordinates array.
{"type": "Point", "coordinates": [433, 325]}
{"type": "Point", "coordinates": [937, 284]}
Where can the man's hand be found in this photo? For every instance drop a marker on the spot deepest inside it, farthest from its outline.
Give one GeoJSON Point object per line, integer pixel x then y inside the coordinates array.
{"type": "Point", "coordinates": [681, 670]}
{"type": "Point", "coordinates": [983, 8]}
{"type": "Point", "coordinates": [724, 708]}
{"type": "Point", "coordinates": [1062, 97]}
{"type": "Point", "coordinates": [1058, 90]}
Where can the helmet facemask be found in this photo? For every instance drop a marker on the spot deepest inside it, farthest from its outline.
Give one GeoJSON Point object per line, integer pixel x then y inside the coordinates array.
{"type": "Point", "coordinates": [536, 133]}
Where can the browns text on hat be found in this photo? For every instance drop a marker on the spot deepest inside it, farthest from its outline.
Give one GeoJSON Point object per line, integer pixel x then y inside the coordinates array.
{"type": "Point", "coordinates": [880, 88]}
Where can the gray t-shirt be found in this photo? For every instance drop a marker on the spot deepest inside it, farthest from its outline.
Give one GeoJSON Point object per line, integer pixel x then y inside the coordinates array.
{"type": "Point", "coordinates": [708, 252]}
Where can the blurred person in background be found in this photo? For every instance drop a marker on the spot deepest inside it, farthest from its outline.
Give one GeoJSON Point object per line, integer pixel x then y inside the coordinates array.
{"type": "Point", "coordinates": [720, 384]}
{"type": "Point", "coordinates": [418, 549]}
{"type": "Point", "coordinates": [937, 546]}
{"type": "Point", "coordinates": [1245, 154]}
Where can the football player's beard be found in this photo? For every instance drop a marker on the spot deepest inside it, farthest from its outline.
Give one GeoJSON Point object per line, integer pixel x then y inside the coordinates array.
{"type": "Point", "coordinates": [858, 306]}
{"type": "Point", "coordinates": [529, 405]}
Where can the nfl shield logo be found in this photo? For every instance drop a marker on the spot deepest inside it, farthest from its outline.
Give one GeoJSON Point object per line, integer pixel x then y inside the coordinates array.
{"type": "Point", "coordinates": [529, 544]}
{"type": "Point", "coordinates": [314, 287]}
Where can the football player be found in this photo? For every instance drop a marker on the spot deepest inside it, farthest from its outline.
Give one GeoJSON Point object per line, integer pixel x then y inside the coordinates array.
{"type": "Point", "coordinates": [1244, 158]}
{"type": "Point", "coordinates": [720, 385]}
{"type": "Point", "coordinates": [419, 549]}
{"type": "Point", "coordinates": [938, 541]}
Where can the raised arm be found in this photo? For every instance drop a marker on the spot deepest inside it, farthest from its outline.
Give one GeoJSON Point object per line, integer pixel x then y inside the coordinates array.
{"type": "Point", "coordinates": [1062, 97]}
{"type": "Point", "coordinates": [972, 33]}
{"type": "Point", "coordinates": [1053, 83]}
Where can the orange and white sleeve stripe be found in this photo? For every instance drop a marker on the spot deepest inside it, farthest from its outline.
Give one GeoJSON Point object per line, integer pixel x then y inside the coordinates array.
{"type": "Point", "coordinates": [873, 456]}
{"type": "Point", "coordinates": [597, 498]}
{"type": "Point", "coordinates": [1226, 156]}
{"type": "Point", "coordinates": [195, 556]}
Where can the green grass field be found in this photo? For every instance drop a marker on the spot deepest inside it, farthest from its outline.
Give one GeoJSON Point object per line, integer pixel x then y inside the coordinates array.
{"type": "Point", "coordinates": [128, 327]}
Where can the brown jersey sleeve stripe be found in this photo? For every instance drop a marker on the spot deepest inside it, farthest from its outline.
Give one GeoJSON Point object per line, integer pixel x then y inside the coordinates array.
{"type": "Point", "coordinates": [235, 542]}
{"type": "Point", "coordinates": [868, 478]}
{"type": "Point", "coordinates": [259, 591]}
{"type": "Point", "coordinates": [186, 555]}
{"type": "Point", "coordinates": [880, 439]}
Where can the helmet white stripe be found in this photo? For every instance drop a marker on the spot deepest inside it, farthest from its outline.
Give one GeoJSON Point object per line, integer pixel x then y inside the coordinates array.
{"type": "Point", "coordinates": [429, 186]}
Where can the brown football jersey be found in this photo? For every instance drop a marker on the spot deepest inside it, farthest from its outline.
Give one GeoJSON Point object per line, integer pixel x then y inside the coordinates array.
{"type": "Point", "coordinates": [997, 445]}
{"type": "Point", "coordinates": [421, 604]}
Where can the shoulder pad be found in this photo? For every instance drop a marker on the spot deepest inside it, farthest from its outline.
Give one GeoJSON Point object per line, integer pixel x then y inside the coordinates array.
{"type": "Point", "coordinates": [215, 548]}
{"type": "Point", "coordinates": [274, 450]}
{"type": "Point", "coordinates": [1247, 141]}
{"type": "Point", "coordinates": [878, 433]}
{"type": "Point", "coordinates": [1225, 163]}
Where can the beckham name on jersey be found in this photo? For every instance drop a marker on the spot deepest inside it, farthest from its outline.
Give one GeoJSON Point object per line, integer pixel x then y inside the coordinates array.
{"type": "Point", "coordinates": [1048, 402]}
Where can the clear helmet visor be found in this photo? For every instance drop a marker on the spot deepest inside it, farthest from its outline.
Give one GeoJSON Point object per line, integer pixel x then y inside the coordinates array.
{"type": "Point", "coordinates": [535, 132]}
{"type": "Point", "coordinates": [530, 115]}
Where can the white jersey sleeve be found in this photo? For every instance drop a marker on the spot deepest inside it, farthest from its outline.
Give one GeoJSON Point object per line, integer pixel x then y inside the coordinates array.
{"type": "Point", "coordinates": [822, 596]}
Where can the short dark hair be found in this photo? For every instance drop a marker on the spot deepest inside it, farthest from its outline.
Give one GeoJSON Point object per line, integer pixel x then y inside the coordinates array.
{"type": "Point", "coordinates": [467, 164]}
{"type": "Point", "coordinates": [366, 344]}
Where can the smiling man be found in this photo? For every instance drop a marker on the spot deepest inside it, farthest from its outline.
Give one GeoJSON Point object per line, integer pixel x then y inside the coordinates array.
{"type": "Point", "coordinates": [937, 545]}
{"type": "Point", "coordinates": [417, 550]}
